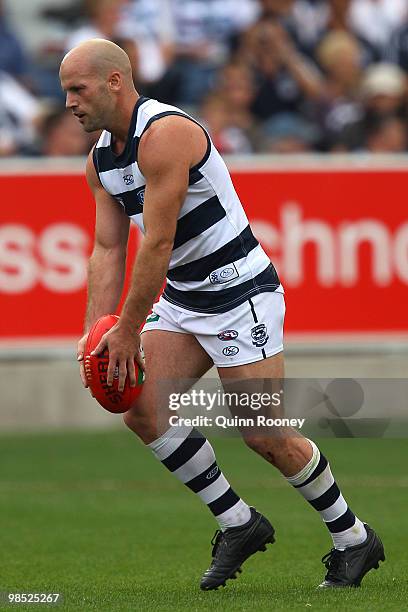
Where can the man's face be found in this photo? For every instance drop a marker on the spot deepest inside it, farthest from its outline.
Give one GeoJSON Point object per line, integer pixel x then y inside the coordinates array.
{"type": "Point", "coordinates": [87, 96]}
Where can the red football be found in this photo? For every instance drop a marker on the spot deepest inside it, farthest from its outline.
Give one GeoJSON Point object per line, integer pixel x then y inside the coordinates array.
{"type": "Point", "coordinates": [96, 368]}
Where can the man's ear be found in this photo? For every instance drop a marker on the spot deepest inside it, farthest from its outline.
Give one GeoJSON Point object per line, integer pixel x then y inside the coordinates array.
{"type": "Point", "coordinates": [115, 81]}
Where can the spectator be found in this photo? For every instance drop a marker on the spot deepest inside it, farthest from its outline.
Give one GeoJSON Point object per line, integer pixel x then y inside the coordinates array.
{"type": "Point", "coordinates": [397, 49]}
{"type": "Point", "coordinates": [310, 20]}
{"type": "Point", "coordinates": [203, 29]}
{"type": "Point", "coordinates": [376, 20]}
{"type": "Point", "coordinates": [276, 8]}
{"type": "Point", "coordinates": [387, 135]}
{"type": "Point", "coordinates": [151, 25]}
{"type": "Point", "coordinates": [19, 116]}
{"type": "Point", "coordinates": [382, 93]}
{"type": "Point", "coordinates": [12, 57]}
{"type": "Point", "coordinates": [62, 135]}
{"type": "Point", "coordinates": [226, 136]}
{"type": "Point", "coordinates": [288, 133]}
{"type": "Point", "coordinates": [102, 22]}
{"type": "Point", "coordinates": [226, 113]}
{"type": "Point", "coordinates": [384, 89]}
{"type": "Point", "coordinates": [307, 21]}
{"type": "Point", "coordinates": [285, 79]}
{"type": "Point", "coordinates": [340, 56]}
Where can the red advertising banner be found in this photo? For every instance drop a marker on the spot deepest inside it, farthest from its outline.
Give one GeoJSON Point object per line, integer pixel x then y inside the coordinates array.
{"type": "Point", "coordinates": [338, 237]}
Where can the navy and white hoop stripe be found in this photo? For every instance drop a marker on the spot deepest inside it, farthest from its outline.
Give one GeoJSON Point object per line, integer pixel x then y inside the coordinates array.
{"type": "Point", "coordinates": [216, 263]}
{"type": "Point", "coordinates": [190, 457]}
{"type": "Point", "coordinates": [329, 502]}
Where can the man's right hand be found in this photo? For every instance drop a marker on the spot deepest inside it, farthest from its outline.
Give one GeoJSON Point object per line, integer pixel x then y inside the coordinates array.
{"type": "Point", "coordinates": [80, 357]}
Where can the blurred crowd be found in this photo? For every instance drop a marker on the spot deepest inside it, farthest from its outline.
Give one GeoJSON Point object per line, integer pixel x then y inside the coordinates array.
{"type": "Point", "coordinates": [269, 76]}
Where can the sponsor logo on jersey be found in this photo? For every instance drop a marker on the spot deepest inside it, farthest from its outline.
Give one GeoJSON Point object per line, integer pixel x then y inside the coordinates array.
{"type": "Point", "coordinates": [259, 335]}
{"type": "Point", "coordinates": [230, 351]}
{"type": "Point", "coordinates": [228, 334]}
{"type": "Point", "coordinates": [128, 178]}
{"type": "Point", "coordinates": [223, 275]}
{"type": "Point", "coordinates": [152, 318]}
{"type": "Point", "coordinates": [212, 473]}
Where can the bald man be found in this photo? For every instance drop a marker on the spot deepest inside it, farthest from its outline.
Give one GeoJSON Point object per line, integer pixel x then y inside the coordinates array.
{"type": "Point", "coordinates": [223, 305]}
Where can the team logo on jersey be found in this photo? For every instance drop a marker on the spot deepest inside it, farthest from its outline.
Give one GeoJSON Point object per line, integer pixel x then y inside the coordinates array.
{"type": "Point", "coordinates": [259, 335]}
{"type": "Point", "coordinates": [230, 351]}
{"type": "Point", "coordinates": [223, 275]}
{"type": "Point", "coordinates": [228, 334]}
{"type": "Point", "coordinates": [141, 196]}
{"type": "Point", "coordinates": [128, 178]}
{"type": "Point", "coordinates": [212, 473]}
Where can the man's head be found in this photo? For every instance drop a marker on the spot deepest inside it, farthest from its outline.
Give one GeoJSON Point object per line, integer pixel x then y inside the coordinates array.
{"type": "Point", "coordinates": [97, 77]}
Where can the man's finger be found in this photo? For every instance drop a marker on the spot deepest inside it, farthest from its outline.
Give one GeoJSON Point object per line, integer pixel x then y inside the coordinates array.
{"type": "Point", "coordinates": [82, 374]}
{"type": "Point", "coordinates": [131, 372]}
{"type": "Point", "coordinates": [122, 374]}
{"type": "Point", "coordinates": [101, 346]}
{"type": "Point", "coordinates": [111, 369]}
{"type": "Point", "coordinates": [140, 362]}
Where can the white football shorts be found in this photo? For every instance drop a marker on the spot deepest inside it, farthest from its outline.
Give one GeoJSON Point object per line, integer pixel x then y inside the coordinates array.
{"type": "Point", "coordinates": [248, 333]}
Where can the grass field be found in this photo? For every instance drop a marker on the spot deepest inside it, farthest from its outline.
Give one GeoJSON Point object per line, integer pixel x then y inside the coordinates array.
{"type": "Point", "coordinates": [95, 517]}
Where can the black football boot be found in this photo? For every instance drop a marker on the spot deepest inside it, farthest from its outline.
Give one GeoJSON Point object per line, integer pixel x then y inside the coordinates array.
{"type": "Point", "coordinates": [233, 546]}
{"type": "Point", "coordinates": [347, 568]}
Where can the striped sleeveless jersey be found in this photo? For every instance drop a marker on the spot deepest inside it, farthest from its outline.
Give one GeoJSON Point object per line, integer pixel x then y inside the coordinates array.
{"type": "Point", "coordinates": [216, 262]}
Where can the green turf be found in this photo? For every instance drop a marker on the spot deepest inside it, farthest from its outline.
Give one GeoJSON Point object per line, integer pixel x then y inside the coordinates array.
{"type": "Point", "coordinates": [97, 518]}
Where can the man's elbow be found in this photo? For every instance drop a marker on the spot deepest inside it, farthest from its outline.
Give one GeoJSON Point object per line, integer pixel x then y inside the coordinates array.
{"type": "Point", "coordinates": [160, 243]}
{"type": "Point", "coordinates": [115, 255]}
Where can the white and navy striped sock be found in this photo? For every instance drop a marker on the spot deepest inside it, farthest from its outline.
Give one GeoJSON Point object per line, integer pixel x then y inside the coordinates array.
{"type": "Point", "coordinates": [190, 457]}
{"type": "Point", "coordinates": [317, 485]}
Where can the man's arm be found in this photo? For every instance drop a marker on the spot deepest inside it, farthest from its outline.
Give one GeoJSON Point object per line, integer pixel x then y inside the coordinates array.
{"type": "Point", "coordinates": [166, 153]}
{"type": "Point", "coordinates": [106, 270]}
{"type": "Point", "coordinates": [305, 74]}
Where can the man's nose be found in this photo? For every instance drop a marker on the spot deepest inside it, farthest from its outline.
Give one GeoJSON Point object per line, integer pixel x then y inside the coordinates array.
{"type": "Point", "coordinates": [70, 101]}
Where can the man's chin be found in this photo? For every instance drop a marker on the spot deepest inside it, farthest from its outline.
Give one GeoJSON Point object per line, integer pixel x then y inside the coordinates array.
{"type": "Point", "coordinates": [90, 128]}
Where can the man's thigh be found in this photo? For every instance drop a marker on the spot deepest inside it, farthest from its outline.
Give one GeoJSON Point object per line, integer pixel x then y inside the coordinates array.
{"type": "Point", "coordinates": [174, 361]}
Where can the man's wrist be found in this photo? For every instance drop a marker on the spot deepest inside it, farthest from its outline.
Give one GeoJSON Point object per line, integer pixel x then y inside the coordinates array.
{"type": "Point", "coordinates": [130, 324]}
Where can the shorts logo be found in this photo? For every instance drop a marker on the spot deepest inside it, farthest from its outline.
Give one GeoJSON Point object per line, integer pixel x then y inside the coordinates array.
{"type": "Point", "coordinates": [230, 351]}
{"type": "Point", "coordinates": [128, 178]}
{"type": "Point", "coordinates": [259, 335]}
{"type": "Point", "coordinates": [212, 473]}
{"type": "Point", "coordinates": [223, 275]}
{"type": "Point", "coordinates": [228, 334]}
{"type": "Point", "coordinates": [152, 318]}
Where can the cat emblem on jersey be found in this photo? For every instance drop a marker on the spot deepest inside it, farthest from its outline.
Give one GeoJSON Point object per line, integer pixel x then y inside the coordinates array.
{"type": "Point", "coordinates": [128, 178]}
{"type": "Point", "coordinates": [141, 196]}
{"type": "Point", "coordinates": [259, 335]}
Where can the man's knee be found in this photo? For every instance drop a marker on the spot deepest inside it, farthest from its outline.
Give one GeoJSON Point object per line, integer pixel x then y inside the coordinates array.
{"type": "Point", "coordinates": [141, 424]}
{"type": "Point", "coordinates": [129, 419]}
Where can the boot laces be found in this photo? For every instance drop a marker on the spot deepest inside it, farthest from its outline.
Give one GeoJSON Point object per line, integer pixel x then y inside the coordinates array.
{"type": "Point", "coordinates": [332, 562]}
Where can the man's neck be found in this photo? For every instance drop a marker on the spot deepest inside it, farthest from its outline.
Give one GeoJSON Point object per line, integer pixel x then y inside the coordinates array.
{"type": "Point", "coordinates": [121, 125]}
